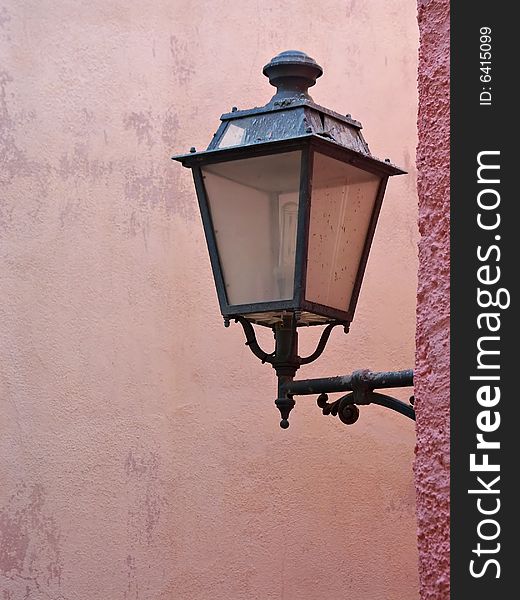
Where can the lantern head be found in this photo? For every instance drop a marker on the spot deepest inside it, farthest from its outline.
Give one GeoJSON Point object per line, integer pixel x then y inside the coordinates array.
{"type": "Point", "coordinates": [289, 196]}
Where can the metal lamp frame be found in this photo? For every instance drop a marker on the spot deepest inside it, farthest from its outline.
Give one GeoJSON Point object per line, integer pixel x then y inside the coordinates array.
{"type": "Point", "coordinates": [291, 112]}
{"type": "Point", "coordinates": [308, 145]}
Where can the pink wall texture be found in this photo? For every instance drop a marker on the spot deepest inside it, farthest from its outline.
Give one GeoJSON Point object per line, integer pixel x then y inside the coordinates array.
{"type": "Point", "coordinates": [141, 456]}
{"type": "Point", "coordinates": [432, 381]}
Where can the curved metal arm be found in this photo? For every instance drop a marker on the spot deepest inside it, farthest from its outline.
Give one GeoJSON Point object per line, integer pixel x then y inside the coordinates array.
{"type": "Point", "coordinates": [346, 407]}
{"type": "Point", "coordinates": [252, 342]}
{"type": "Point", "coordinates": [321, 345]}
{"type": "Point", "coordinates": [361, 385]}
{"type": "Point", "coordinates": [389, 402]}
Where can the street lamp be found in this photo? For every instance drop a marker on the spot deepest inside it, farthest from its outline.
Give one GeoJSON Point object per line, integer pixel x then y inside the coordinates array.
{"type": "Point", "coordinates": [289, 196]}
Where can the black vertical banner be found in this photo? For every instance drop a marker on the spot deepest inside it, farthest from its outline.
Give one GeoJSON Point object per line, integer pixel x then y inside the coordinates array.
{"type": "Point", "coordinates": [484, 321]}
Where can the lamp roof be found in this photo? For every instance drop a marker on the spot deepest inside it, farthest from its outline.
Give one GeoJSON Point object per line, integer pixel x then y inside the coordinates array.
{"type": "Point", "coordinates": [290, 114]}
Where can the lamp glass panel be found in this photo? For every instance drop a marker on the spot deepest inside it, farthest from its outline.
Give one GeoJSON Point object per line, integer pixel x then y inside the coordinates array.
{"type": "Point", "coordinates": [254, 209]}
{"type": "Point", "coordinates": [342, 203]}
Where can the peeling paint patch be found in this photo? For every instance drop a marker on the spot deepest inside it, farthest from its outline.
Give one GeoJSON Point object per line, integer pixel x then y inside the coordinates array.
{"type": "Point", "coordinates": [141, 123]}
{"type": "Point", "coordinates": [169, 128]}
{"type": "Point", "coordinates": [12, 160]}
{"type": "Point", "coordinates": [158, 188]}
{"type": "Point", "coordinates": [146, 501]}
{"type": "Point", "coordinates": [182, 58]}
{"type": "Point", "coordinates": [350, 7]}
{"type": "Point", "coordinates": [138, 464]}
{"type": "Point", "coordinates": [77, 165]}
{"type": "Point", "coordinates": [5, 17]}
{"type": "Point", "coordinates": [142, 471]}
{"type": "Point", "coordinates": [30, 557]}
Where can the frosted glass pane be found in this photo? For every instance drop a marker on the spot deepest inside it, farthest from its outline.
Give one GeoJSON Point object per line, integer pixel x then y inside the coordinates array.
{"type": "Point", "coordinates": [254, 208]}
{"type": "Point", "coordinates": [234, 136]}
{"type": "Point", "coordinates": [342, 202]}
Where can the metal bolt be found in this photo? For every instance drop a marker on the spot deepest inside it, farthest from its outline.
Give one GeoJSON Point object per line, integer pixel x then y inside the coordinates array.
{"type": "Point", "coordinates": [308, 130]}
{"type": "Point", "coordinates": [349, 116]}
{"type": "Point", "coordinates": [234, 109]}
{"type": "Point", "coordinates": [193, 149]}
{"type": "Point", "coordinates": [387, 160]}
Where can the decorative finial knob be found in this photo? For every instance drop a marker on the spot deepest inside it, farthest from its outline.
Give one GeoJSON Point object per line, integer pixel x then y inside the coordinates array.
{"type": "Point", "coordinates": [292, 72]}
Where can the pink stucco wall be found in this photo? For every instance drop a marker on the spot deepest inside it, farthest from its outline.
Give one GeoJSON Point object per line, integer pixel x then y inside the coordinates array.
{"type": "Point", "coordinates": [141, 456]}
{"type": "Point", "coordinates": [432, 381]}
